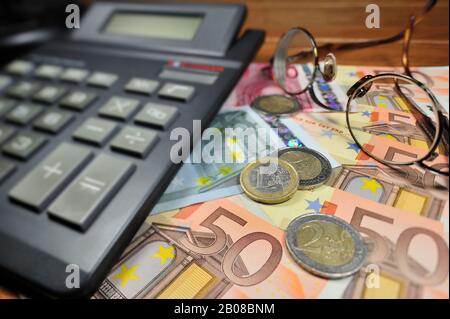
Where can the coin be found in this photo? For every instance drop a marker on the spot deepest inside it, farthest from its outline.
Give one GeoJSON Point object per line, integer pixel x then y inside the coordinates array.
{"type": "Point", "coordinates": [312, 167]}
{"type": "Point", "coordinates": [275, 104]}
{"type": "Point", "coordinates": [269, 181]}
{"type": "Point", "coordinates": [325, 245]}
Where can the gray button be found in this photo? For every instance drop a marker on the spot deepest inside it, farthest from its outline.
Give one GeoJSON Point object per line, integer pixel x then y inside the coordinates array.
{"type": "Point", "coordinates": [19, 67]}
{"type": "Point", "coordinates": [78, 100]}
{"type": "Point", "coordinates": [41, 185]}
{"type": "Point", "coordinates": [23, 145]}
{"type": "Point", "coordinates": [49, 94]}
{"type": "Point", "coordinates": [6, 168]}
{"type": "Point", "coordinates": [6, 105]}
{"type": "Point", "coordinates": [95, 131]}
{"type": "Point", "coordinates": [195, 77]}
{"type": "Point", "coordinates": [74, 75]}
{"type": "Point", "coordinates": [119, 108]}
{"type": "Point", "coordinates": [5, 133]}
{"type": "Point", "coordinates": [24, 113]}
{"type": "Point", "coordinates": [156, 114]}
{"type": "Point", "coordinates": [4, 81]}
{"type": "Point", "coordinates": [140, 85]}
{"type": "Point", "coordinates": [53, 121]}
{"type": "Point", "coordinates": [177, 91]}
{"type": "Point", "coordinates": [47, 71]}
{"type": "Point", "coordinates": [79, 204]}
{"type": "Point", "coordinates": [135, 141]}
{"type": "Point", "coordinates": [102, 79]}
{"type": "Point", "coordinates": [23, 89]}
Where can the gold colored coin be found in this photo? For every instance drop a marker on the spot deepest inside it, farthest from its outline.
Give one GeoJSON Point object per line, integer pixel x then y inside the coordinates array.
{"type": "Point", "coordinates": [269, 181]}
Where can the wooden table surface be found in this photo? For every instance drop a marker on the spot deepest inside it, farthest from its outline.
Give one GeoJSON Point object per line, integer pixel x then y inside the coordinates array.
{"type": "Point", "coordinates": [343, 21]}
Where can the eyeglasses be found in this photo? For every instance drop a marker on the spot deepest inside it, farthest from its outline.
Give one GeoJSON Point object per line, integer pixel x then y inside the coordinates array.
{"type": "Point", "coordinates": [385, 106]}
{"type": "Point", "coordinates": [297, 50]}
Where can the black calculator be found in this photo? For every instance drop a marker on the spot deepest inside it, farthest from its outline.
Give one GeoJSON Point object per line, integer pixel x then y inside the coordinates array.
{"type": "Point", "coordinates": [85, 125]}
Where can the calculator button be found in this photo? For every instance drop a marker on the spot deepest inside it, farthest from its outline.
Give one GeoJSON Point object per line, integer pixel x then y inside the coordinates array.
{"type": "Point", "coordinates": [23, 89]}
{"type": "Point", "coordinates": [6, 105]}
{"type": "Point", "coordinates": [23, 145]}
{"type": "Point", "coordinates": [102, 79]}
{"type": "Point", "coordinates": [119, 108]}
{"type": "Point", "coordinates": [157, 115]}
{"type": "Point", "coordinates": [74, 75]}
{"type": "Point", "coordinates": [79, 204]}
{"type": "Point", "coordinates": [140, 85]}
{"type": "Point", "coordinates": [5, 133]}
{"type": "Point", "coordinates": [78, 100]}
{"type": "Point", "coordinates": [19, 67]}
{"type": "Point", "coordinates": [4, 81]}
{"type": "Point", "coordinates": [24, 113]}
{"type": "Point", "coordinates": [41, 185]}
{"type": "Point", "coordinates": [95, 131]}
{"type": "Point", "coordinates": [6, 168]}
{"type": "Point", "coordinates": [53, 121]}
{"type": "Point", "coordinates": [177, 92]}
{"type": "Point", "coordinates": [47, 71]}
{"type": "Point", "coordinates": [135, 141]}
{"type": "Point", "coordinates": [49, 94]}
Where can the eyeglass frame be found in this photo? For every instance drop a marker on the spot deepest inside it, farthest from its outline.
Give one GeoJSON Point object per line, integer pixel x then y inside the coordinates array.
{"type": "Point", "coordinates": [360, 88]}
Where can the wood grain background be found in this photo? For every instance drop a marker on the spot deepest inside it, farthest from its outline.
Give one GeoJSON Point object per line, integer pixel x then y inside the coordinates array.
{"type": "Point", "coordinates": [342, 21]}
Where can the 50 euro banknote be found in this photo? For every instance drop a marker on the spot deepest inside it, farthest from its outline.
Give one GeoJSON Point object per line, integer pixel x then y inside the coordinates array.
{"type": "Point", "coordinates": [225, 249]}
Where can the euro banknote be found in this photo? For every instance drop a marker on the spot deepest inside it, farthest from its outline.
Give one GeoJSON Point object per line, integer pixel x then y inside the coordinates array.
{"type": "Point", "coordinates": [221, 249]}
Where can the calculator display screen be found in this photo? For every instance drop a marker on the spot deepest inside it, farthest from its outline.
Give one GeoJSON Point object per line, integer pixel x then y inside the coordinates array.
{"type": "Point", "coordinates": [154, 25]}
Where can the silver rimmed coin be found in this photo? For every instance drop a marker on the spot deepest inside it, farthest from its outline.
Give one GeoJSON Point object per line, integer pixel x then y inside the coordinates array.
{"type": "Point", "coordinates": [312, 167]}
{"type": "Point", "coordinates": [275, 104]}
{"type": "Point", "coordinates": [325, 245]}
{"type": "Point", "coordinates": [269, 182]}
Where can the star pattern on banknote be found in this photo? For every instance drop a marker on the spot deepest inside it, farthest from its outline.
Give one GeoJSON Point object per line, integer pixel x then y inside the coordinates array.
{"type": "Point", "coordinates": [236, 155]}
{"type": "Point", "coordinates": [314, 205]}
{"type": "Point", "coordinates": [328, 133]}
{"type": "Point", "coordinates": [203, 180]}
{"type": "Point", "coordinates": [126, 274]}
{"type": "Point", "coordinates": [164, 254]}
{"type": "Point", "coordinates": [366, 113]}
{"type": "Point", "coordinates": [231, 141]}
{"type": "Point", "coordinates": [353, 146]}
{"type": "Point", "coordinates": [225, 170]}
{"type": "Point", "coordinates": [371, 184]}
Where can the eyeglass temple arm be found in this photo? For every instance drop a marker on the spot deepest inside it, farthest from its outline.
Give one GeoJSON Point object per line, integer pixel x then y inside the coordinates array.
{"type": "Point", "coordinates": [364, 44]}
{"type": "Point", "coordinates": [425, 123]}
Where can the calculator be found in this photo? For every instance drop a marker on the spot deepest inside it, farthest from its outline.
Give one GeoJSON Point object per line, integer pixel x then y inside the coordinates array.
{"type": "Point", "coordinates": [85, 125]}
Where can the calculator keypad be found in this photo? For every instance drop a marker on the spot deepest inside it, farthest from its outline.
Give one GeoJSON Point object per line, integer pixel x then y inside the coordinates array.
{"type": "Point", "coordinates": [70, 184]}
